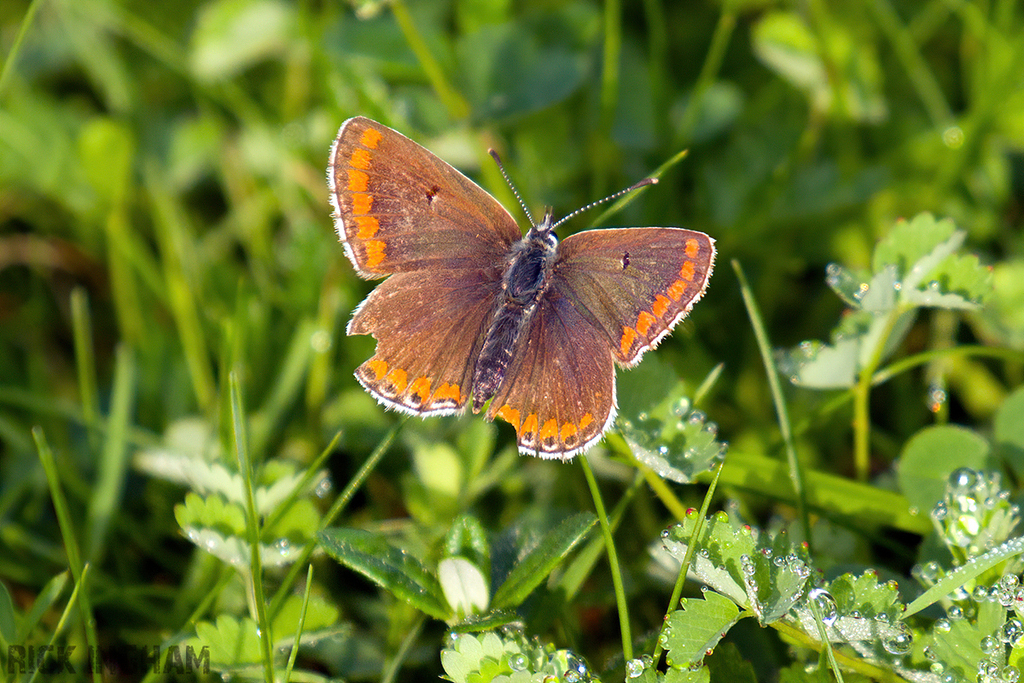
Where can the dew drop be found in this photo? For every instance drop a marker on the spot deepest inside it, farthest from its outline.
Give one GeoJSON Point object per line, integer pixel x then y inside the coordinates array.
{"type": "Point", "coordinates": [682, 407]}
{"type": "Point", "coordinates": [517, 662]}
{"type": "Point", "coordinates": [1011, 632]}
{"type": "Point", "coordinates": [825, 604]}
{"type": "Point", "coordinates": [962, 480]}
{"type": "Point", "coordinates": [634, 668]}
{"type": "Point", "coordinates": [899, 641]}
{"type": "Point", "coordinates": [324, 488]}
{"type": "Point", "coordinates": [936, 399]}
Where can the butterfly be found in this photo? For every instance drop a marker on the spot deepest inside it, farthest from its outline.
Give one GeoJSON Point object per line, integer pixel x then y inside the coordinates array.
{"type": "Point", "coordinates": [472, 312]}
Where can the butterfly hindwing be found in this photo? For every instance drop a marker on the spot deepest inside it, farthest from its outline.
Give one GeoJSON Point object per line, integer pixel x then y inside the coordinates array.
{"type": "Point", "coordinates": [559, 389]}
{"type": "Point", "coordinates": [429, 328]}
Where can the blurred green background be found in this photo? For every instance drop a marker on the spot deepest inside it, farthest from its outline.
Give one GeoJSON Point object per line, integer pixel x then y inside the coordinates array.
{"type": "Point", "coordinates": [162, 196]}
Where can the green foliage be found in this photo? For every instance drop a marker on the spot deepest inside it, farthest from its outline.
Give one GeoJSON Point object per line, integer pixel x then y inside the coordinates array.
{"type": "Point", "coordinates": [165, 237]}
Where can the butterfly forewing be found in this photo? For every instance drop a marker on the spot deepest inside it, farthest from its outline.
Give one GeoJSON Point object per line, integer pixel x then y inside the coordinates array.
{"type": "Point", "coordinates": [634, 284]}
{"type": "Point", "coordinates": [399, 208]}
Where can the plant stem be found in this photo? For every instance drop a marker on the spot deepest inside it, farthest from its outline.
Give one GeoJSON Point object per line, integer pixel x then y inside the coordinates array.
{"type": "Point", "coordinates": [862, 399]}
{"type": "Point", "coordinates": [613, 559]}
{"type": "Point", "coordinates": [772, 373]}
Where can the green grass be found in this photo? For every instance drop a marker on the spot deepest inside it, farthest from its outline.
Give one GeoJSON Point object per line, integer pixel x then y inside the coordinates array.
{"type": "Point", "coordinates": [176, 387]}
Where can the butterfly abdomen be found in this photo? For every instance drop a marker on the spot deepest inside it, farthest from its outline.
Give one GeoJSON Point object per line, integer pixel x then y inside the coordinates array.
{"type": "Point", "coordinates": [525, 278]}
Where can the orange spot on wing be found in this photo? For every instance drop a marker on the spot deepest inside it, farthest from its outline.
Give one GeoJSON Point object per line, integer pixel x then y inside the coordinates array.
{"type": "Point", "coordinates": [586, 420]}
{"type": "Point", "coordinates": [374, 252]}
{"type": "Point", "coordinates": [644, 322]}
{"type": "Point", "coordinates": [628, 337]}
{"type": "Point", "coordinates": [357, 180]}
{"type": "Point", "coordinates": [399, 378]}
{"type": "Point", "coordinates": [661, 303]}
{"type": "Point", "coordinates": [448, 391]}
{"type": "Point", "coordinates": [677, 289]}
{"type": "Point", "coordinates": [686, 272]}
{"type": "Point", "coordinates": [510, 415]}
{"type": "Point", "coordinates": [569, 431]}
{"type": "Point", "coordinates": [529, 424]}
{"type": "Point", "coordinates": [361, 203]}
{"type": "Point", "coordinates": [692, 248]}
{"type": "Point", "coordinates": [360, 159]}
{"type": "Point", "coordinates": [549, 430]}
{"type": "Point", "coordinates": [370, 138]}
{"type": "Point", "coordinates": [421, 387]}
{"type": "Point", "coordinates": [379, 367]}
{"type": "Point", "coordinates": [368, 226]}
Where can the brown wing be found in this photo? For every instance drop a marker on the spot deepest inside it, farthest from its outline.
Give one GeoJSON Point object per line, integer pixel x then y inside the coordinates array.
{"type": "Point", "coordinates": [398, 208]}
{"type": "Point", "coordinates": [634, 284]}
{"type": "Point", "coordinates": [429, 328]}
{"type": "Point", "coordinates": [613, 294]}
{"type": "Point", "coordinates": [559, 389]}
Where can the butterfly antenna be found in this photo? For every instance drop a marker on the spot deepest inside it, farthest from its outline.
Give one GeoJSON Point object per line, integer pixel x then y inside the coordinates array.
{"type": "Point", "coordinates": [591, 205]}
{"type": "Point", "coordinates": [497, 160]}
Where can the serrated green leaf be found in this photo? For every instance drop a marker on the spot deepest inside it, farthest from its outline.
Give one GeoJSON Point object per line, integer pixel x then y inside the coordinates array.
{"type": "Point", "coordinates": [676, 443]}
{"type": "Point", "coordinates": [701, 675]}
{"type": "Point", "coordinates": [931, 455]}
{"type": "Point", "coordinates": [959, 648]}
{"type": "Point", "coordinates": [538, 563]}
{"type": "Point", "coordinates": [233, 642]}
{"type": "Point", "coordinates": [910, 241]}
{"type": "Point", "coordinates": [716, 561]}
{"type": "Point", "coordinates": [848, 286]}
{"type": "Point", "coordinates": [866, 595]}
{"type": "Point", "coordinates": [689, 633]}
{"type": "Point", "coordinates": [760, 573]}
{"type": "Point", "coordinates": [321, 615]}
{"type": "Point", "coordinates": [211, 512]}
{"type": "Point", "coordinates": [880, 296]}
{"type": "Point", "coordinates": [392, 569]}
{"type": "Point", "coordinates": [929, 262]}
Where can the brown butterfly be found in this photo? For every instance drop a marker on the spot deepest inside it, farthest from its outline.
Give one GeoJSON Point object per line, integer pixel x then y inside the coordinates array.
{"type": "Point", "coordinates": [473, 311]}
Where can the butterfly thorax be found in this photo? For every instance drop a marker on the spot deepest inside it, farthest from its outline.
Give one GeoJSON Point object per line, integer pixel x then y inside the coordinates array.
{"type": "Point", "coordinates": [523, 283]}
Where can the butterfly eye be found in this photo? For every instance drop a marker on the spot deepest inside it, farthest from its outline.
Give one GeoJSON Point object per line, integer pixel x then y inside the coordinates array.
{"type": "Point", "coordinates": [625, 260]}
